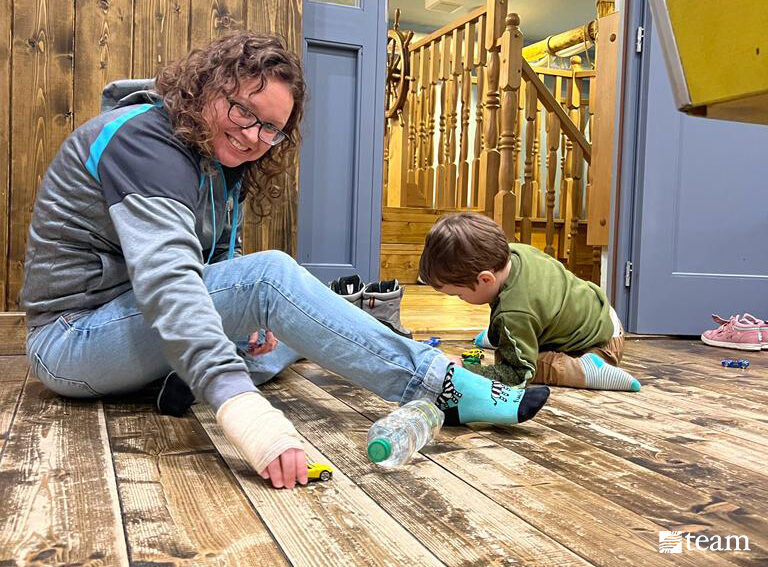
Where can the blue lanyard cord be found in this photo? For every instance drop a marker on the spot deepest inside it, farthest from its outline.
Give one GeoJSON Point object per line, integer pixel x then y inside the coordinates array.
{"type": "Point", "coordinates": [213, 217]}
{"type": "Point", "coordinates": [236, 214]}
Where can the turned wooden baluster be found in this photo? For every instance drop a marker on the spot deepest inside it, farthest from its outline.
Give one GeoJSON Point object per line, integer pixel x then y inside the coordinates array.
{"type": "Point", "coordinates": [453, 123]}
{"type": "Point", "coordinates": [526, 197]}
{"type": "Point", "coordinates": [509, 83]}
{"type": "Point", "coordinates": [490, 160]}
{"type": "Point", "coordinates": [413, 121]}
{"type": "Point", "coordinates": [517, 145]}
{"type": "Point", "coordinates": [537, 200]}
{"type": "Point", "coordinates": [423, 121]}
{"type": "Point", "coordinates": [565, 181]}
{"type": "Point", "coordinates": [466, 100]}
{"type": "Point", "coordinates": [553, 143]}
{"type": "Point", "coordinates": [576, 162]}
{"type": "Point", "coordinates": [480, 106]}
{"type": "Point", "coordinates": [434, 60]}
{"type": "Point", "coordinates": [440, 176]}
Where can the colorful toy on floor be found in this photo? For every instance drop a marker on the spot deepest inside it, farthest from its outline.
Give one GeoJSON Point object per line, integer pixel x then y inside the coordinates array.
{"type": "Point", "coordinates": [472, 355]}
{"type": "Point", "coordinates": [432, 341]}
{"type": "Point", "coordinates": [319, 471]}
{"type": "Point", "coordinates": [742, 363]}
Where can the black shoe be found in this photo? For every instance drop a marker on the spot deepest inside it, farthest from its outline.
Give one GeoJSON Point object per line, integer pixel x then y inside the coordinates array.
{"type": "Point", "coordinates": [175, 397]}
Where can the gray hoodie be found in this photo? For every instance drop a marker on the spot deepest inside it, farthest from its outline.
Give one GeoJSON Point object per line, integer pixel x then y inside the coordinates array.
{"type": "Point", "coordinates": [126, 204]}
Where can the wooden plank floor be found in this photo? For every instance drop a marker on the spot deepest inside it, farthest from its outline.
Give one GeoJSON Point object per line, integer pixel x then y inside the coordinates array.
{"type": "Point", "coordinates": [590, 482]}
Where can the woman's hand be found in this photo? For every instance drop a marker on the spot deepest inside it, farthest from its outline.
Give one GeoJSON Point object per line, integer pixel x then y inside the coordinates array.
{"type": "Point", "coordinates": [457, 360]}
{"type": "Point", "coordinates": [287, 469]}
{"type": "Point", "coordinates": [256, 347]}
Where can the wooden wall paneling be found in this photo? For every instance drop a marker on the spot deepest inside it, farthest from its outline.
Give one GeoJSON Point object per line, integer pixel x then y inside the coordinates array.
{"type": "Point", "coordinates": [509, 84]}
{"type": "Point", "coordinates": [213, 18]}
{"type": "Point", "coordinates": [181, 502]}
{"type": "Point", "coordinates": [57, 485]}
{"type": "Point", "coordinates": [103, 41]}
{"type": "Point", "coordinates": [466, 98]}
{"type": "Point", "coordinates": [605, 105]}
{"type": "Point", "coordinates": [161, 34]}
{"type": "Point", "coordinates": [41, 99]}
{"type": "Point", "coordinates": [6, 12]}
{"type": "Point", "coordinates": [278, 230]}
{"type": "Point", "coordinates": [13, 329]}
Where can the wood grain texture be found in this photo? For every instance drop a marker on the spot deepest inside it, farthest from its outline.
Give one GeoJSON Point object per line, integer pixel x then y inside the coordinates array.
{"type": "Point", "coordinates": [598, 530]}
{"type": "Point", "coordinates": [103, 36]}
{"type": "Point", "coordinates": [57, 485]}
{"type": "Point", "coordinates": [457, 522]}
{"type": "Point", "coordinates": [277, 230]}
{"type": "Point", "coordinates": [13, 374]}
{"type": "Point", "coordinates": [6, 11]}
{"type": "Point", "coordinates": [210, 19]}
{"type": "Point", "coordinates": [329, 524]}
{"type": "Point", "coordinates": [161, 34]}
{"type": "Point", "coordinates": [181, 504]}
{"type": "Point", "coordinates": [43, 52]}
{"type": "Point", "coordinates": [13, 329]}
{"type": "Point", "coordinates": [606, 103]}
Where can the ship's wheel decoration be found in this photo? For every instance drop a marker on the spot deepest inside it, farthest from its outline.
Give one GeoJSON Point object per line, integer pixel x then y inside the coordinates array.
{"type": "Point", "coordinates": [398, 67]}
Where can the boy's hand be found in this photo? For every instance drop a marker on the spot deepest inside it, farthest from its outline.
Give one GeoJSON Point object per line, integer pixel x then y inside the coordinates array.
{"type": "Point", "coordinates": [257, 347]}
{"type": "Point", "coordinates": [264, 436]}
{"type": "Point", "coordinates": [288, 468]}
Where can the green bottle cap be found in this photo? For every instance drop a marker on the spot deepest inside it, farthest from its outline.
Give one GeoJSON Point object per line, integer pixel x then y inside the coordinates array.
{"type": "Point", "coordinates": [379, 449]}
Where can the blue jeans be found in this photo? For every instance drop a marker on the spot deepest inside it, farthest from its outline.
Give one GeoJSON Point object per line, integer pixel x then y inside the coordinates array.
{"type": "Point", "coordinates": [112, 349]}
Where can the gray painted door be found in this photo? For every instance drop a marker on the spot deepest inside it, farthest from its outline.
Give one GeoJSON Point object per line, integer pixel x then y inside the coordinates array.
{"type": "Point", "coordinates": [701, 214]}
{"type": "Point", "coordinates": [339, 218]}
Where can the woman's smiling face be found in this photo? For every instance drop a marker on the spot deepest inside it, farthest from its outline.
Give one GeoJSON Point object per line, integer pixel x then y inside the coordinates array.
{"type": "Point", "coordinates": [234, 145]}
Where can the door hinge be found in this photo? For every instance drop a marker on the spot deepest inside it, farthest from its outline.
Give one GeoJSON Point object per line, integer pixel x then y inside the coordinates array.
{"type": "Point", "coordinates": [628, 274]}
{"type": "Point", "coordinates": [639, 36]}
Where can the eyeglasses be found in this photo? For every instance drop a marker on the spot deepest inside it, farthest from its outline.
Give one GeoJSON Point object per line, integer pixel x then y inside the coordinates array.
{"type": "Point", "coordinates": [268, 133]}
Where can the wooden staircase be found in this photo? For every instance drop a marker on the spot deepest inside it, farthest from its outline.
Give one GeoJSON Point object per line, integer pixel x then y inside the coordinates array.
{"type": "Point", "coordinates": [403, 230]}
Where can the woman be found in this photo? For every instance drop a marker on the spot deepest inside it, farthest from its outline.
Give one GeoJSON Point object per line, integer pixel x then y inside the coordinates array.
{"type": "Point", "coordinates": [133, 267]}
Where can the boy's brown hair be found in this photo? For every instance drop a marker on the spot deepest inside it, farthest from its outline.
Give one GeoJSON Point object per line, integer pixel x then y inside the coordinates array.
{"type": "Point", "coordinates": [459, 247]}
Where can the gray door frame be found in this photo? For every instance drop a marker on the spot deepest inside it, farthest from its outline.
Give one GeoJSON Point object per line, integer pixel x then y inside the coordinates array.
{"type": "Point", "coordinates": [631, 141]}
{"type": "Point", "coordinates": [335, 26]}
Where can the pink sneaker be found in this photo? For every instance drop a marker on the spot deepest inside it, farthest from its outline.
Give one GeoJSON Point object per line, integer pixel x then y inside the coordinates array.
{"type": "Point", "coordinates": [740, 332]}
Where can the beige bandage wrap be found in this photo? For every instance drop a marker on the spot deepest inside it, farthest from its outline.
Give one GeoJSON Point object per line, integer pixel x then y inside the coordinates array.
{"type": "Point", "coordinates": [259, 431]}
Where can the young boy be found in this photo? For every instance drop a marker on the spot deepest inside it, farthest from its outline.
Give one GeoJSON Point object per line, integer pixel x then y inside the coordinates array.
{"type": "Point", "coordinates": [549, 326]}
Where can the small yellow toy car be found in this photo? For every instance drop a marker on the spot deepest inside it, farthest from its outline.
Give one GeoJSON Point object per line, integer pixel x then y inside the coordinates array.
{"type": "Point", "coordinates": [319, 471]}
{"type": "Point", "coordinates": [473, 353]}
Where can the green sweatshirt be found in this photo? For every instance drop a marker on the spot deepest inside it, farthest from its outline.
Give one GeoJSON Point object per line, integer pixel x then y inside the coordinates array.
{"type": "Point", "coordinates": [542, 306]}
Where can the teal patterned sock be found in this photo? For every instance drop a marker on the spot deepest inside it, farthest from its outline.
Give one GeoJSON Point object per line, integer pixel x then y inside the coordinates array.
{"type": "Point", "coordinates": [469, 397]}
{"type": "Point", "coordinates": [603, 376]}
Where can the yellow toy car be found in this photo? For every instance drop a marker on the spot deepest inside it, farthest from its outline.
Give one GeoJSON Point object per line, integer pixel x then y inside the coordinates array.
{"type": "Point", "coordinates": [319, 471]}
{"type": "Point", "coordinates": [473, 353]}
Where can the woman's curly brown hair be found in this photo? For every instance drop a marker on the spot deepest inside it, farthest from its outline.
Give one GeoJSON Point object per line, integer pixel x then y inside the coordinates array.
{"type": "Point", "coordinates": [189, 84]}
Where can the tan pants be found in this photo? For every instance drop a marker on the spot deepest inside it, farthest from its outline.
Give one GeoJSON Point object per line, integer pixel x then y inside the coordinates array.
{"type": "Point", "coordinates": [561, 369]}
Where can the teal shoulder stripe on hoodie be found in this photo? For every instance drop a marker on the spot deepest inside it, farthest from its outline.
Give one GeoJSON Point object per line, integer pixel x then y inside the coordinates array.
{"type": "Point", "coordinates": [109, 129]}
